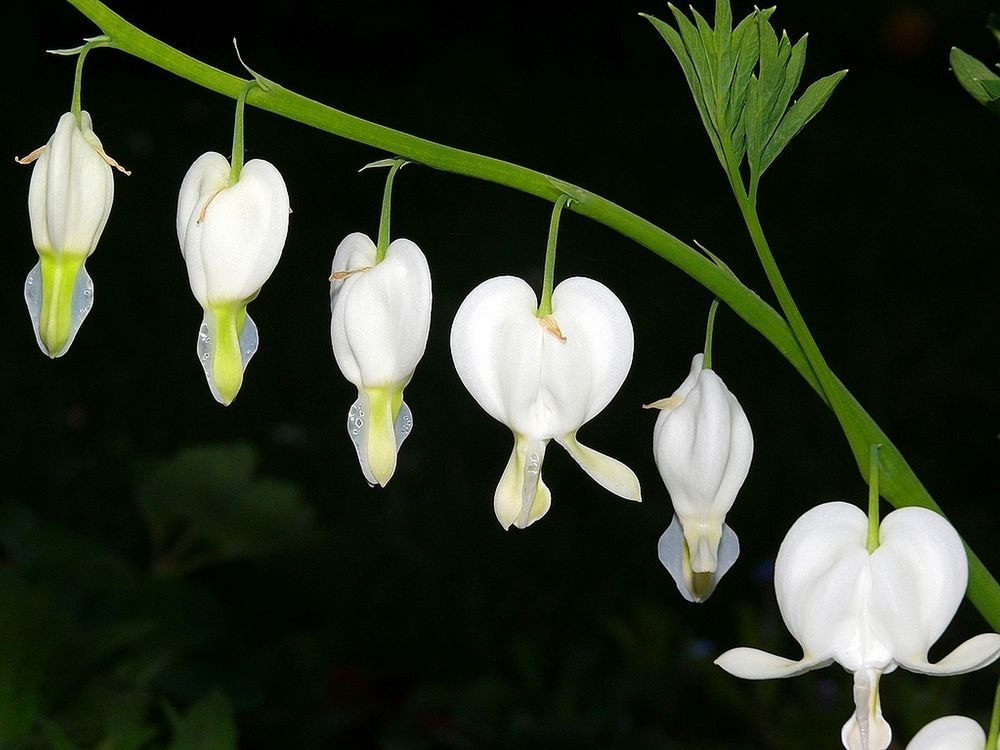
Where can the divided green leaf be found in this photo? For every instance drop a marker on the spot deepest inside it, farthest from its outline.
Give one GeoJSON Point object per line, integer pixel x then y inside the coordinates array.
{"type": "Point", "coordinates": [743, 80]}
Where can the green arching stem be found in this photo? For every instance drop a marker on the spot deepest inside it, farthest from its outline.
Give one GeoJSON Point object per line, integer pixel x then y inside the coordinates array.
{"type": "Point", "coordinates": [873, 496]}
{"type": "Point", "coordinates": [383, 224]}
{"type": "Point", "coordinates": [236, 163]}
{"type": "Point", "coordinates": [545, 306]}
{"type": "Point", "coordinates": [706, 362]}
{"type": "Point", "coordinates": [899, 485]}
{"type": "Point", "coordinates": [101, 41]}
{"type": "Point", "coordinates": [994, 734]}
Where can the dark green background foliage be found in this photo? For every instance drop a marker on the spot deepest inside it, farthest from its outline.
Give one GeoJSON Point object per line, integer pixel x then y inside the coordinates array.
{"type": "Point", "coordinates": [174, 574]}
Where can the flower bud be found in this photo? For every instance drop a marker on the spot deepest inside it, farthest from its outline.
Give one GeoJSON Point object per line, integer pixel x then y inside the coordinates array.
{"type": "Point", "coordinates": [69, 200]}
{"type": "Point", "coordinates": [231, 237]}
{"type": "Point", "coordinates": [381, 316]}
{"type": "Point", "coordinates": [703, 446]}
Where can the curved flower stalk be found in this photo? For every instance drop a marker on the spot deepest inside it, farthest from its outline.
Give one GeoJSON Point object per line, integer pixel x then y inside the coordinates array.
{"type": "Point", "coordinates": [869, 612]}
{"type": "Point", "coordinates": [703, 445]}
{"type": "Point", "coordinates": [544, 377]}
{"type": "Point", "coordinates": [949, 733]}
{"type": "Point", "coordinates": [231, 237]}
{"type": "Point", "coordinates": [69, 200]}
{"type": "Point", "coordinates": [379, 327]}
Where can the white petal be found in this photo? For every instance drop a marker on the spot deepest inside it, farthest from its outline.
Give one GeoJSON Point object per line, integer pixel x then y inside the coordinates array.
{"type": "Point", "coordinates": [496, 344]}
{"type": "Point", "coordinates": [975, 653]}
{"type": "Point", "coordinates": [919, 574]}
{"type": "Point", "coordinates": [71, 190]}
{"type": "Point", "coordinates": [819, 580]}
{"type": "Point", "coordinates": [381, 317]}
{"type": "Point", "coordinates": [584, 373]}
{"type": "Point", "coordinates": [521, 497]}
{"type": "Point", "coordinates": [243, 233]}
{"type": "Point", "coordinates": [231, 236]}
{"type": "Point", "coordinates": [753, 664]}
{"type": "Point", "coordinates": [703, 449]}
{"type": "Point", "coordinates": [207, 176]}
{"type": "Point", "coordinates": [949, 733]}
{"type": "Point", "coordinates": [611, 474]}
{"type": "Point", "coordinates": [866, 729]}
{"type": "Point", "coordinates": [674, 554]}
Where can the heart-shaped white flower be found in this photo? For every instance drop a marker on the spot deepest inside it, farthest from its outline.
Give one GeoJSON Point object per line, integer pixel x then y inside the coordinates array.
{"type": "Point", "coordinates": [544, 377]}
{"type": "Point", "coordinates": [868, 612]}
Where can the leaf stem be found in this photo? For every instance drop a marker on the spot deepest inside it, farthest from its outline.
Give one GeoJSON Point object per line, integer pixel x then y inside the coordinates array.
{"type": "Point", "coordinates": [545, 306]}
{"type": "Point", "coordinates": [873, 520]}
{"type": "Point", "coordinates": [236, 163]}
{"type": "Point", "coordinates": [383, 224]}
{"type": "Point", "coordinates": [706, 362]}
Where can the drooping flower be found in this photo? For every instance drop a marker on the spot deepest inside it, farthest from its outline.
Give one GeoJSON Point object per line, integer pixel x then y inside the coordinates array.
{"type": "Point", "coordinates": [69, 200]}
{"type": "Point", "coordinates": [381, 316]}
{"type": "Point", "coordinates": [231, 237]}
{"type": "Point", "coordinates": [703, 445]}
{"type": "Point", "coordinates": [949, 733]}
{"type": "Point", "coordinates": [544, 377]}
{"type": "Point", "coordinates": [869, 612]}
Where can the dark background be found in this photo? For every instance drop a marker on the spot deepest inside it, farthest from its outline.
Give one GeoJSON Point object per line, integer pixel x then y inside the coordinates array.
{"type": "Point", "coordinates": [168, 563]}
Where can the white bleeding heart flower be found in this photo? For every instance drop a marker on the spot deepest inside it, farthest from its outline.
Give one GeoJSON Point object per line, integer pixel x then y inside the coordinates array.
{"type": "Point", "coordinates": [381, 316]}
{"type": "Point", "coordinates": [544, 377]}
{"type": "Point", "coordinates": [949, 733]}
{"type": "Point", "coordinates": [69, 200]}
{"type": "Point", "coordinates": [869, 612]}
{"type": "Point", "coordinates": [231, 237]}
{"type": "Point", "coordinates": [703, 445]}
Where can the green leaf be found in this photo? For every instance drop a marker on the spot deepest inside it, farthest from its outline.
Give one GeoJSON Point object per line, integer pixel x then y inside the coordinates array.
{"type": "Point", "coordinates": [208, 725]}
{"type": "Point", "coordinates": [972, 74]}
{"type": "Point", "coordinates": [792, 77]}
{"type": "Point", "coordinates": [677, 46]}
{"type": "Point", "coordinates": [744, 39]}
{"type": "Point", "coordinates": [703, 70]}
{"type": "Point", "coordinates": [807, 107]}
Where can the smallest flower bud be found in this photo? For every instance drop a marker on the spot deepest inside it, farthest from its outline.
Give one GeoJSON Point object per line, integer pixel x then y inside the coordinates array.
{"type": "Point", "coordinates": [703, 446]}
{"type": "Point", "coordinates": [69, 200]}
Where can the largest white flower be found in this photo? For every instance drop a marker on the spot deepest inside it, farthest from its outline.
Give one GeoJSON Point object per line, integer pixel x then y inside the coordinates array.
{"type": "Point", "coordinates": [381, 315]}
{"type": "Point", "coordinates": [544, 377]}
{"type": "Point", "coordinates": [869, 612]}
{"type": "Point", "coordinates": [231, 237]}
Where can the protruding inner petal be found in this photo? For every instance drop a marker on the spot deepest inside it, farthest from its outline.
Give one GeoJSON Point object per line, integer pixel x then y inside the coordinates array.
{"type": "Point", "coordinates": [521, 497]}
{"type": "Point", "coordinates": [378, 423]}
{"type": "Point", "coordinates": [675, 556]}
{"type": "Point", "coordinates": [611, 474]}
{"type": "Point", "coordinates": [754, 664]}
{"type": "Point", "coordinates": [866, 729]}
{"type": "Point", "coordinates": [226, 342]}
{"type": "Point", "coordinates": [703, 539]}
{"type": "Point", "coordinates": [59, 293]}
